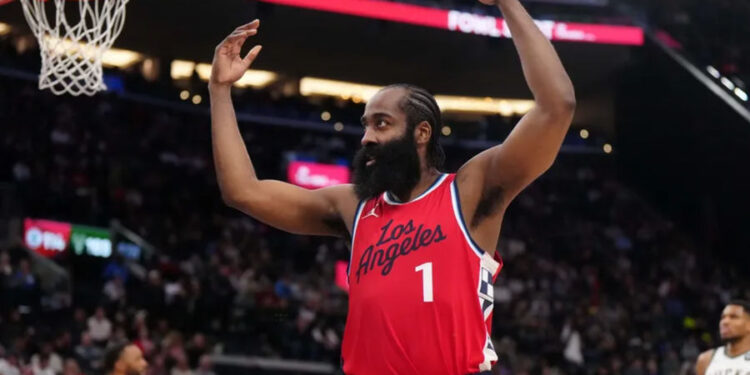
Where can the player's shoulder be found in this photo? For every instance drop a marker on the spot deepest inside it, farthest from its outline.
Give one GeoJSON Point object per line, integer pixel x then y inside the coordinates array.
{"type": "Point", "coordinates": [344, 198]}
{"type": "Point", "coordinates": [707, 355]}
{"type": "Point", "coordinates": [704, 359]}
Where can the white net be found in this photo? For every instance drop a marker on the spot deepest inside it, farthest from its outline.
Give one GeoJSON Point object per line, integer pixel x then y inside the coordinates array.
{"type": "Point", "coordinates": [72, 44]}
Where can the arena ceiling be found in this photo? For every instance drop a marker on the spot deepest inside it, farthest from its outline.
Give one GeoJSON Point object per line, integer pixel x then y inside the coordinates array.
{"type": "Point", "coordinates": [300, 42]}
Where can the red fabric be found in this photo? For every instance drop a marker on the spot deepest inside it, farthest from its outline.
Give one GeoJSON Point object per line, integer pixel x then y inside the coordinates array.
{"type": "Point", "coordinates": [390, 329]}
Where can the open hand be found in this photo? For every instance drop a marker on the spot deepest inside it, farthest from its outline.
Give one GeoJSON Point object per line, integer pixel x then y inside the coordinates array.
{"type": "Point", "coordinates": [228, 66]}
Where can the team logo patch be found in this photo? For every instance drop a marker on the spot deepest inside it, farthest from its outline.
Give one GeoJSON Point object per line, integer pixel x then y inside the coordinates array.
{"type": "Point", "coordinates": [372, 213]}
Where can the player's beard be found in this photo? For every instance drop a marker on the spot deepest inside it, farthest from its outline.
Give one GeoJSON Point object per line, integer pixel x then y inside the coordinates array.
{"type": "Point", "coordinates": [396, 168]}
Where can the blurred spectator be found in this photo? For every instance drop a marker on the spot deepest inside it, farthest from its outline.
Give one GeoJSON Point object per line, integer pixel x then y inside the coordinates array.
{"type": "Point", "coordinates": [114, 291]}
{"type": "Point", "coordinates": [79, 325]}
{"type": "Point", "coordinates": [144, 342]}
{"type": "Point", "coordinates": [47, 358]}
{"type": "Point", "coordinates": [116, 269]}
{"type": "Point", "coordinates": [42, 366]}
{"type": "Point", "coordinates": [182, 367]}
{"type": "Point", "coordinates": [88, 354]}
{"type": "Point", "coordinates": [63, 345]}
{"type": "Point", "coordinates": [196, 349]}
{"type": "Point", "coordinates": [99, 327]}
{"type": "Point", "coordinates": [205, 366]}
{"type": "Point", "coordinates": [9, 364]}
{"type": "Point", "coordinates": [71, 367]}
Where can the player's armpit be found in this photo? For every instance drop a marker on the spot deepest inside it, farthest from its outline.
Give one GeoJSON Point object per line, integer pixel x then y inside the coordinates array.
{"type": "Point", "coordinates": [499, 174]}
{"type": "Point", "coordinates": [703, 361]}
{"type": "Point", "coordinates": [529, 150]}
{"type": "Point", "coordinates": [297, 210]}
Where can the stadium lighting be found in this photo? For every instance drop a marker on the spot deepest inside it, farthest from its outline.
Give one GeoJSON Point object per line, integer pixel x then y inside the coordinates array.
{"type": "Point", "coordinates": [181, 69]}
{"type": "Point", "coordinates": [727, 83]}
{"type": "Point", "coordinates": [256, 78]}
{"type": "Point", "coordinates": [504, 107]}
{"type": "Point", "coordinates": [339, 126]}
{"type": "Point", "coordinates": [446, 130]}
{"type": "Point", "coordinates": [741, 94]}
{"type": "Point", "coordinates": [120, 58]}
{"type": "Point", "coordinates": [326, 87]}
{"type": "Point", "coordinates": [607, 148]}
{"type": "Point", "coordinates": [584, 134]}
{"type": "Point", "coordinates": [185, 95]}
{"type": "Point", "coordinates": [197, 99]}
{"type": "Point", "coordinates": [251, 78]}
{"type": "Point", "coordinates": [713, 72]}
{"type": "Point", "coordinates": [325, 116]}
{"type": "Point", "coordinates": [310, 86]}
{"type": "Point", "coordinates": [4, 28]}
{"type": "Point", "coordinates": [114, 57]}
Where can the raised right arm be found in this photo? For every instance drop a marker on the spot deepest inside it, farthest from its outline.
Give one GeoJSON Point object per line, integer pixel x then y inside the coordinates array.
{"type": "Point", "coordinates": [276, 203]}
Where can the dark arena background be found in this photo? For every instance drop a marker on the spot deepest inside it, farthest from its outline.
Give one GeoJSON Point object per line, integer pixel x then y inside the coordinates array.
{"type": "Point", "coordinates": [618, 260]}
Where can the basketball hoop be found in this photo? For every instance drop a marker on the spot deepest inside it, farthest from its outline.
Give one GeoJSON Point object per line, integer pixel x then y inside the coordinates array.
{"type": "Point", "coordinates": [72, 49]}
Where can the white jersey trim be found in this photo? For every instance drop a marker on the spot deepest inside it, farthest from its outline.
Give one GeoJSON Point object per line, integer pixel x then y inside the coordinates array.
{"type": "Point", "coordinates": [357, 215]}
{"type": "Point", "coordinates": [490, 355]}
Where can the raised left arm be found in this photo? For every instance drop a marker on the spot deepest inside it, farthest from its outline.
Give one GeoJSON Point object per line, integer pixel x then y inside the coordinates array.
{"type": "Point", "coordinates": [532, 146]}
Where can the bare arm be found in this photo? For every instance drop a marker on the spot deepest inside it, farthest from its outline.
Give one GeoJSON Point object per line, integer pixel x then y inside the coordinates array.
{"type": "Point", "coordinates": [279, 204]}
{"type": "Point", "coordinates": [534, 143]}
{"type": "Point", "coordinates": [703, 361]}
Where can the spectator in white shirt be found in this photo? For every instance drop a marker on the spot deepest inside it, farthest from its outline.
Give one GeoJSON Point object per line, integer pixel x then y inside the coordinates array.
{"type": "Point", "coordinates": [100, 328]}
{"type": "Point", "coordinates": [42, 366]}
{"type": "Point", "coordinates": [8, 364]}
{"type": "Point", "coordinates": [52, 359]}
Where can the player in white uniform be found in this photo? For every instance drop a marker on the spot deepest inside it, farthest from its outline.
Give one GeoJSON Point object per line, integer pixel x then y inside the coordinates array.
{"type": "Point", "coordinates": [734, 357]}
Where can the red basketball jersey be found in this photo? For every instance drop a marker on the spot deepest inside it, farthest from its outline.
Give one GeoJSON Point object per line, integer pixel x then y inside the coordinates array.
{"type": "Point", "coordinates": [421, 297]}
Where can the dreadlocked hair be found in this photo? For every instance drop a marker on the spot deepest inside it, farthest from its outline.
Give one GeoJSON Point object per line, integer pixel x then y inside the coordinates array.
{"type": "Point", "coordinates": [419, 105]}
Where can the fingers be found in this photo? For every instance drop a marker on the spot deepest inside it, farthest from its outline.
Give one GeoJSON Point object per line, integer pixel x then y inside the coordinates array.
{"type": "Point", "coordinates": [251, 25]}
{"type": "Point", "coordinates": [243, 32]}
{"type": "Point", "coordinates": [250, 57]}
{"type": "Point", "coordinates": [234, 41]}
{"type": "Point", "coordinates": [241, 35]}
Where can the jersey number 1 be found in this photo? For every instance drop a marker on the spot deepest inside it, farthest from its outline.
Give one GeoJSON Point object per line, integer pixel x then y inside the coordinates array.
{"type": "Point", "coordinates": [426, 269]}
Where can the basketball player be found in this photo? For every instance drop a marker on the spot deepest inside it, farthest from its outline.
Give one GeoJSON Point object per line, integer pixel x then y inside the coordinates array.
{"type": "Point", "coordinates": [422, 242]}
{"type": "Point", "coordinates": [734, 357]}
{"type": "Point", "coordinates": [124, 359]}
